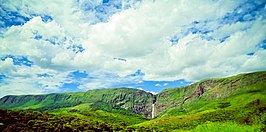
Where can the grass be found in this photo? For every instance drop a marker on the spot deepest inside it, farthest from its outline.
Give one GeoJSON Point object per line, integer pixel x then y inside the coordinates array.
{"type": "Point", "coordinates": [117, 117]}
{"type": "Point", "coordinates": [250, 119]}
{"type": "Point", "coordinates": [244, 111]}
{"type": "Point", "coordinates": [234, 104]}
{"type": "Point", "coordinates": [225, 127]}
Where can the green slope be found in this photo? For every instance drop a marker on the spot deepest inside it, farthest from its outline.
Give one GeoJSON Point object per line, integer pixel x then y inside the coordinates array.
{"type": "Point", "coordinates": [236, 103]}
{"type": "Point", "coordinates": [11, 121]}
{"type": "Point", "coordinates": [119, 98]}
{"type": "Point", "coordinates": [244, 88]}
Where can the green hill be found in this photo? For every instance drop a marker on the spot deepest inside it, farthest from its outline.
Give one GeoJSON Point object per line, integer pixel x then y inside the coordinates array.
{"type": "Point", "coordinates": [236, 103]}
{"type": "Point", "coordinates": [133, 100]}
{"type": "Point", "coordinates": [233, 91]}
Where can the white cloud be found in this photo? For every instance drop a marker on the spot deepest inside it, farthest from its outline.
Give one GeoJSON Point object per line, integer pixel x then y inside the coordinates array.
{"type": "Point", "coordinates": [157, 85]}
{"type": "Point", "coordinates": [24, 79]}
{"type": "Point", "coordinates": [165, 84]}
{"type": "Point", "coordinates": [160, 85]}
{"type": "Point", "coordinates": [19, 87]}
{"type": "Point", "coordinates": [6, 65]}
{"type": "Point", "coordinates": [154, 93]}
{"type": "Point", "coordinates": [256, 62]}
{"type": "Point", "coordinates": [141, 89]}
{"type": "Point", "coordinates": [108, 80]}
{"type": "Point", "coordinates": [140, 35]}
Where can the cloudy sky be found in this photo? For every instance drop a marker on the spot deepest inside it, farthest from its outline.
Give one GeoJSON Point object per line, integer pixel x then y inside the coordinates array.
{"type": "Point", "coordinates": [51, 46]}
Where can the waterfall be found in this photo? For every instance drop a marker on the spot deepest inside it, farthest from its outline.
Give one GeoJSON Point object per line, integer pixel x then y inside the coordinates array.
{"type": "Point", "coordinates": [152, 112]}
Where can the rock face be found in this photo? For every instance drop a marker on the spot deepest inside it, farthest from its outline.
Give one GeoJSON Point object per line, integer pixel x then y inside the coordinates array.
{"type": "Point", "coordinates": [139, 101]}
{"type": "Point", "coordinates": [197, 93]}
{"type": "Point", "coordinates": [208, 90]}
{"type": "Point", "coordinates": [124, 98]}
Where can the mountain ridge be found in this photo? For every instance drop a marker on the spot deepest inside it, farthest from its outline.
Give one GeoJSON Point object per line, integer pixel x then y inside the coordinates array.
{"type": "Point", "coordinates": [236, 103]}
{"type": "Point", "coordinates": [126, 98]}
{"type": "Point", "coordinates": [136, 100]}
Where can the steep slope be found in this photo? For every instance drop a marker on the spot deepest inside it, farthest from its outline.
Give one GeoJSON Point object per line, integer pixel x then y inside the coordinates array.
{"type": "Point", "coordinates": [198, 95]}
{"type": "Point", "coordinates": [236, 103]}
{"type": "Point", "coordinates": [139, 101]}
{"type": "Point", "coordinates": [119, 98]}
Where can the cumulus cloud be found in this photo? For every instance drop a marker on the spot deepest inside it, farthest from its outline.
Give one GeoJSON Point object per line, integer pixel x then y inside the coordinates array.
{"type": "Point", "coordinates": [166, 40]}
{"type": "Point", "coordinates": [6, 65]}
{"type": "Point", "coordinates": [157, 85]}
{"type": "Point", "coordinates": [160, 85]}
{"type": "Point", "coordinates": [154, 93]}
{"type": "Point", "coordinates": [20, 87]}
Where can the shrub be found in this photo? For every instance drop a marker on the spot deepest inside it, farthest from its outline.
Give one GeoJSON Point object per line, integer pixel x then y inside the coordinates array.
{"type": "Point", "coordinates": [224, 105]}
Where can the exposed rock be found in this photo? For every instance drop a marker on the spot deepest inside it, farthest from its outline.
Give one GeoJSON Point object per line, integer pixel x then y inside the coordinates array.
{"type": "Point", "coordinates": [125, 98]}
{"type": "Point", "coordinates": [140, 101]}
{"type": "Point", "coordinates": [197, 93]}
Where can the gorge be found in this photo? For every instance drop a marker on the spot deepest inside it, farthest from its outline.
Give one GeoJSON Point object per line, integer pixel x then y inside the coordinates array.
{"type": "Point", "coordinates": [173, 107]}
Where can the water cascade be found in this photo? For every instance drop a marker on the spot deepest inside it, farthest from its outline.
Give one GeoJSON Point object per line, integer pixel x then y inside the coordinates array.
{"type": "Point", "coordinates": [152, 112]}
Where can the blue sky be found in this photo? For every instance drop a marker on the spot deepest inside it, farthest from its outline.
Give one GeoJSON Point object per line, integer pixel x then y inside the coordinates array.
{"type": "Point", "coordinates": [77, 45]}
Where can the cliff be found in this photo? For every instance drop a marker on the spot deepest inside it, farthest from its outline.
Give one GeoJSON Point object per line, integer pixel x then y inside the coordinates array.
{"type": "Point", "coordinates": [118, 98]}
{"type": "Point", "coordinates": [186, 98]}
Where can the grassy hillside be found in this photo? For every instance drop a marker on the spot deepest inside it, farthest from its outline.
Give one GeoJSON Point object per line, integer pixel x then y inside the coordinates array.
{"type": "Point", "coordinates": [120, 98]}
{"type": "Point", "coordinates": [237, 91]}
{"type": "Point", "coordinates": [236, 103]}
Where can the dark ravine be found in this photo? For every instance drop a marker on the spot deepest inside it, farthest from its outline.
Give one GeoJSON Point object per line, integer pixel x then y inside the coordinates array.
{"type": "Point", "coordinates": [136, 100]}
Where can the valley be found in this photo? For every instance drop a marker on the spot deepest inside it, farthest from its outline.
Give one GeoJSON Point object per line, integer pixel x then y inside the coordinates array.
{"type": "Point", "coordinates": [236, 103]}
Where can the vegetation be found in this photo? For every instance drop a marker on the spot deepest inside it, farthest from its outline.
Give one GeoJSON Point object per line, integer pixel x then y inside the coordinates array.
{"type": "Point", "coordinates": [119, 98]}
{"type": "Point", "coordinates": [236, 103]}
{"type": "Point", "coordinates": [251, 117]}
{"type": "Point", "coordinates": [41, 121]}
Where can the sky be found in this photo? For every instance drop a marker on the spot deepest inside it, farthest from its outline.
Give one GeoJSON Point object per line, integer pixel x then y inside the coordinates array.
{"type": "Point", "coordinates": [49, 46]}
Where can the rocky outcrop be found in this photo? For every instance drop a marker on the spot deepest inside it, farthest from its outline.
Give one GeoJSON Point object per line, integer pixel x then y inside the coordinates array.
{"type": "Point", "coordinates": [125, 98]}
{"type": "Point", "coordinates": [141, 101]}
{"type": "Point", "coordinates": [208, 89]}
{"type": "Point", "coordinates": [197, 93]}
